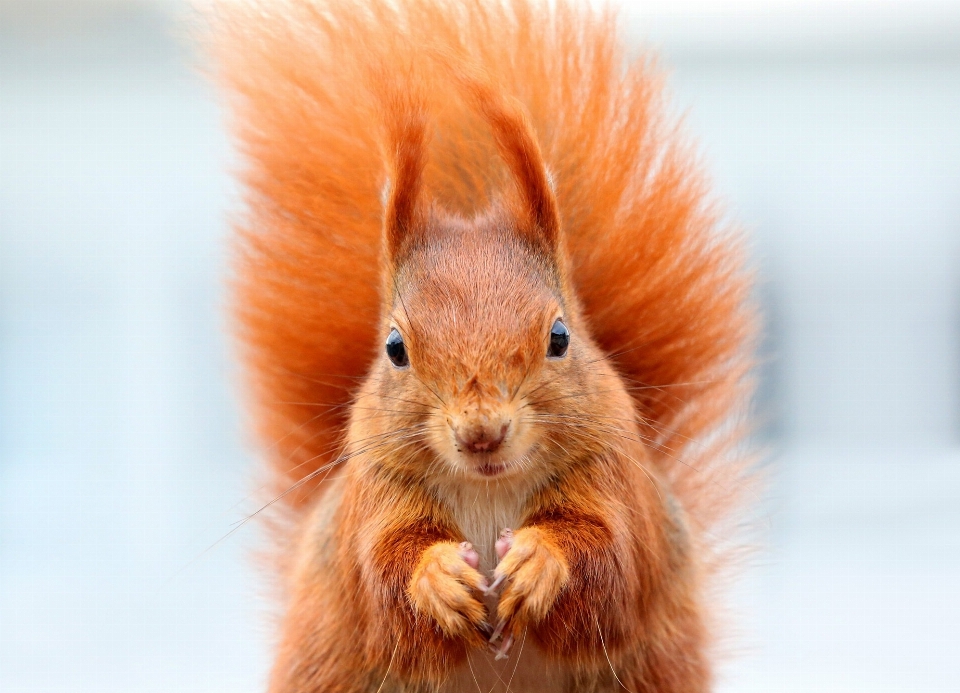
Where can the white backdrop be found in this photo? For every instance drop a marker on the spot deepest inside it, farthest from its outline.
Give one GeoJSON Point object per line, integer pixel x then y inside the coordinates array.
{"type": "Point", "coordinates": [832, 133]}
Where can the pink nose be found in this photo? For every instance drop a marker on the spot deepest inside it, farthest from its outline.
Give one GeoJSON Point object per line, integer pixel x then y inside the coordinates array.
{"type": "Point", "coordinates": [480, 438]}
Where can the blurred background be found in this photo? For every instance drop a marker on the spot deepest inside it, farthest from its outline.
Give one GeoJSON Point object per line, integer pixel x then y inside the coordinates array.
{"type": "Point", "coordinates": [831, 129]}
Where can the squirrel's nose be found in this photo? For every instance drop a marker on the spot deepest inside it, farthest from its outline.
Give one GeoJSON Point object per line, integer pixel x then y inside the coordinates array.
{"type": "Point", "coordinates": [481, 436]}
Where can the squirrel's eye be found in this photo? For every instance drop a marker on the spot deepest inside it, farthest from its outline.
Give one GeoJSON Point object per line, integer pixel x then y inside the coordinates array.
{"type": "Point", "coordinates": [559, 340]}
{"type": "Point", "coordinates": [396, 350]}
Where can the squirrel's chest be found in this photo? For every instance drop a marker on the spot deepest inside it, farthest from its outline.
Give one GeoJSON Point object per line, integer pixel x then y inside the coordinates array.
{"type": "Point", "coordinates": [482, 512]}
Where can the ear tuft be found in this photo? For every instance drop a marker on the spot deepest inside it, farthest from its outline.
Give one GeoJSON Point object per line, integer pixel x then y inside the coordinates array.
{"type": "Point", "coordinates": [517, 144]}
{"type": "Point", "coordinates": [406, 138]}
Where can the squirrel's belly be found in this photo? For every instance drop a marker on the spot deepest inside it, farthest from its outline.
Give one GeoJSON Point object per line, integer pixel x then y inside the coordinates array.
{"type": "Point", "coordinates": [526, 670]}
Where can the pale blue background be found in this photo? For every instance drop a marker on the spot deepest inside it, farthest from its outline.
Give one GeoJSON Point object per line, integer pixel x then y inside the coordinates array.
{"type": "Point", "coordinates": [833, 132]}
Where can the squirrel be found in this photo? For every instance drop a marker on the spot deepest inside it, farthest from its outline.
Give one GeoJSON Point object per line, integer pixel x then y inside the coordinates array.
{"type": "Point", "coordinates": [498, 342]}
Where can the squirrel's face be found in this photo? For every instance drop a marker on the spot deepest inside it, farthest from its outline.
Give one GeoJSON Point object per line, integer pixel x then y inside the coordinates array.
{"type": "Point", "coordinates": [481, 353]}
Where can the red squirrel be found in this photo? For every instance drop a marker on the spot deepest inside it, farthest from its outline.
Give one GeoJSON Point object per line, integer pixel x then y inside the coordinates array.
{"type": "Point", "coordinates": [498, 344]}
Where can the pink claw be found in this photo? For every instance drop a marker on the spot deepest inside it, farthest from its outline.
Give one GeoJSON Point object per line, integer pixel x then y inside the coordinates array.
{"type": "Point", "coordinates": [504, 650]}
{"type": "Point", "coordinates": [495, 584]}
{"type": "Point", "coordinates": [498, 631]}
{"type": "Point", "coordinates": [504, 543]}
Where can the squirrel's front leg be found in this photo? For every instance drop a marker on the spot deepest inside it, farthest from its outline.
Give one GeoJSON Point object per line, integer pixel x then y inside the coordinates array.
{"type": "Point", "coordinates": [562, 581]}
{"type": "Point", "coordinates": [444, 588]}
{"type": "Point", "coordinates": [428, 593]}
{"type": "Point", "coordinates": [535, 571]}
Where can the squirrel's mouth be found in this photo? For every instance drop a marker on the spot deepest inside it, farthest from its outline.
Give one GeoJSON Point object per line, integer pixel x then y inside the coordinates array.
{"type": "Point", "coordinates": [501, 464]}
{"type": "Point", "coordinates": [491, 469]}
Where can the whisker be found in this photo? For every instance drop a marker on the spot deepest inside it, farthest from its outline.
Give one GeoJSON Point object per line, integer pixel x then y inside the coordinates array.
{"type": "Point", "coordinates": [639, 465]}
{"type": "Point", "coordinates": [607, 655]}
{"type": "Point", "coordinates": [517, 663]}
{"type": "Point", "coordinates": [587, 424]}
{"type": "Point", "coordinates": [326, 467]}
{"type": "Point", "coordinates": [401, 399]}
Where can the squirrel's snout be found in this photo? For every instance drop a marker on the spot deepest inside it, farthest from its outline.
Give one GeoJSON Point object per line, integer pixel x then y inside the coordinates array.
{"type": "Point", "coordinates": [480, 436]}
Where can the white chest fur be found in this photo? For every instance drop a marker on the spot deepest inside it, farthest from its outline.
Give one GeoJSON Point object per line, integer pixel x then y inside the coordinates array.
{"type": "Point", "coordinates": [484, 509]}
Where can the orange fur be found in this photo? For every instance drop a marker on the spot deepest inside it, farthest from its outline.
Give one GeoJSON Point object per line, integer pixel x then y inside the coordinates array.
{"type": "Point", "coordinates": [467, 173]}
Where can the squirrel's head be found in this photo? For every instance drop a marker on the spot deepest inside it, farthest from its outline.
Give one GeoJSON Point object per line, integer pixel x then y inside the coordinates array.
{"type": "Point", "coordinates": [485, 360]}
{"type": "Point", "coordinates": [477, 330]}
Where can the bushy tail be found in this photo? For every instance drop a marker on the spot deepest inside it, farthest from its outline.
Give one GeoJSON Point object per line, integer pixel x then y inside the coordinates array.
{"type": "Point", "coordinates": [319, 87]}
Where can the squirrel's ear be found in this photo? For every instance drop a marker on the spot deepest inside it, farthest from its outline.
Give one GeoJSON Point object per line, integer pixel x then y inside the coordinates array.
{"type": "Point", "coordinates": [518, 146]}
{"type": "Point", "coordinates": [406, 133]}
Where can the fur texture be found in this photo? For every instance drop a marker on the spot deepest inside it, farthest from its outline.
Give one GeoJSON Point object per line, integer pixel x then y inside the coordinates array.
{"type": "Point", "coordinates": [468, 173]}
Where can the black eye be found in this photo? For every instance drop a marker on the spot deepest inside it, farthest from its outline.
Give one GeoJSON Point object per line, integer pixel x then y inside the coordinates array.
{"type": "Point", "coordinates": [396, 350]}
{"type": "Point", "coordinates": [559, 341]}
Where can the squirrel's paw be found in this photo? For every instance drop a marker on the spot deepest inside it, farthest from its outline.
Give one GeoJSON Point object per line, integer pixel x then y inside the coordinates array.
{"type": "Point", "coordinates": [534, 571]}
{"type": "Point", "coordinates": [444, 586]}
